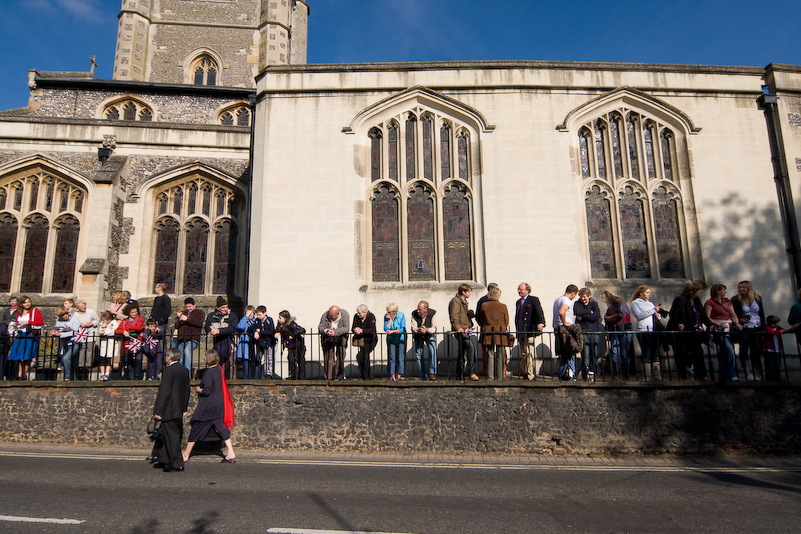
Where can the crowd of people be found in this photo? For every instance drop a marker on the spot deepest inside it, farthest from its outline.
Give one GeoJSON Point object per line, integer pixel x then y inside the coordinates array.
{"type": "Point", "coordinates": [120, 342]}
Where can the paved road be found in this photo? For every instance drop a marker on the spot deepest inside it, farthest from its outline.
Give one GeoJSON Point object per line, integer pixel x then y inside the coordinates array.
{"type": "Point", "coordinates": [117, 491]}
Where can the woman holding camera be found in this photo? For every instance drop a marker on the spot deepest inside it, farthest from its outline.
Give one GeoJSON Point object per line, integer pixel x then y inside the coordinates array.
{"type": "Point", "coordinates": [687, 321]}
{"type": "Point", "coordinates": [751, 314]}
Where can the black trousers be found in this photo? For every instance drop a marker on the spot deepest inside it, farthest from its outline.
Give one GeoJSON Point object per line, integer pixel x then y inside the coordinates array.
{"type": "Point", "coordinates": [173, 432]}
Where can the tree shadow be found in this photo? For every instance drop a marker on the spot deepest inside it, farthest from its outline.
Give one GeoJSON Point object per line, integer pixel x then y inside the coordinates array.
{"type": "Point", "coordinates": [343, 523]}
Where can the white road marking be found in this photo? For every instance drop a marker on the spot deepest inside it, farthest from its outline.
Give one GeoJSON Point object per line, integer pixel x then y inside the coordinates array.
{"type": "Point", "coordinates": [437, 465]}
{"type": "Point", "coordinates": [308, 531]}
{"type": "Point", "coordinates": [15, 519]}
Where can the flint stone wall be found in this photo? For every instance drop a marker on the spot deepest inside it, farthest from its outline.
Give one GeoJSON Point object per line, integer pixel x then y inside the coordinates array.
{"type": "Point", "coordinates": [439, 418]}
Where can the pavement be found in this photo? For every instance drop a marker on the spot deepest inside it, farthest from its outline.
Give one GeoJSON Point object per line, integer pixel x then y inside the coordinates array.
{"type": "Point", "coordinates": [664, 462]}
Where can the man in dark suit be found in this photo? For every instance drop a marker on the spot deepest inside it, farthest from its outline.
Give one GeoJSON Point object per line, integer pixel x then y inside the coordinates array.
{"type": "Point", "coordinates": [529, 322]}
{"type": "Point", "coordinates": [170, 408]}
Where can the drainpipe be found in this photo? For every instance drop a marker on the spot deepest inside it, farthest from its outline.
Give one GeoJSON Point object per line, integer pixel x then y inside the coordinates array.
{"type": "Point", "coordinates": [768, 103]}
{"type": "Point", "coordinates": [252, 104]}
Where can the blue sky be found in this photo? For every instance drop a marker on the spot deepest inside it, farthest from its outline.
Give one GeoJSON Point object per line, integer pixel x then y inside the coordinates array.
{"type": "Point", "coordinates": [67, 32]}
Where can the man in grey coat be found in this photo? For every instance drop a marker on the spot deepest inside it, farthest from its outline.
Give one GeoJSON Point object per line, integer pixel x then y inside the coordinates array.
{"type": "Point", "coordinates": [333, 329]}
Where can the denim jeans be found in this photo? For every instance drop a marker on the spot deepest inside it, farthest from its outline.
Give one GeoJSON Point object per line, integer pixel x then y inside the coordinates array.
{"type": "Point", "coordinates": [467, 355]}
{"type": "Point", "coordinates": [70, 350]}
{"type": "Point", "coordinates": [186, 348]}
{"type": "Point", "coordinates": [419, 348]}
{"type": "Point", "coordinates": [727, 366]}
{"type": "Point", "coordinates": [397, 358]}
{"type": "Point", "coordinates": [621, 343]}
{"type": "Point", "coordinates": [592, 344]}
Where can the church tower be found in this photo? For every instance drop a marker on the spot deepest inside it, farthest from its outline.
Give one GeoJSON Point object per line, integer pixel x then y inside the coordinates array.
{"type": "Point", "coordinates": [208, 42]}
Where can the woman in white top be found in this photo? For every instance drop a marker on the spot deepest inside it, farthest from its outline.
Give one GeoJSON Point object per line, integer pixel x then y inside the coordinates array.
{"type": "Point", "coordinates": [751, 315]}
{"type": "Point", "coordinates": [645, 311]}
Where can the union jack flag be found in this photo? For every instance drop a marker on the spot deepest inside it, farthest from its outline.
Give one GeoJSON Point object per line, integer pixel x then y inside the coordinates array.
{"type": "Point", "coordinates": [80, 335]}
{"type": "Point", "coordinates": [151, 342]}
{"type": "Point", "coordinates": [134, 345]}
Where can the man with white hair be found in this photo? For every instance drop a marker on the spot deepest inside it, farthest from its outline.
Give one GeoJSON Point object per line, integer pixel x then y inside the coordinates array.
{"type": "Point", "coordinates": [334, 327]}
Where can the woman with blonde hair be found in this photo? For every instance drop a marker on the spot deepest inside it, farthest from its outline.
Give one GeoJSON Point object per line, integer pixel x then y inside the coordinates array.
{"type": "Point", "coordinates": [645, 311]}
{"type": "Point", "coordinates": [395, 328]}
{"type": "Point", "coordinates": [751, 315]}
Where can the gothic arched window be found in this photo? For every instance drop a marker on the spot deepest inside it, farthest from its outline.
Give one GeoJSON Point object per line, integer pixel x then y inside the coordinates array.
{"type": "Point", "coordinates": [129, 109]}
{"type": "Point", "coordinates": [39, 234]}
{"type": "Point", "coordinates": [633, 207]}
{"type": "Point", "coordinates": [196, 243]}
{"type": "Point", "coordinates": [433, 238]}
{"type": "Point", "coordinates": [204, 71]}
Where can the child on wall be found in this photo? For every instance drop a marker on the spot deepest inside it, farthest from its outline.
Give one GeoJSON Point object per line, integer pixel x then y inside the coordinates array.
{"type": "Point", "coordinates": [152, 348]}
{"type": "Point", "coordinates": [773, 348]}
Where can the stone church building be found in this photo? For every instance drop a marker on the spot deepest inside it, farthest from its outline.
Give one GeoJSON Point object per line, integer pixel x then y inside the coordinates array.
{"type": "Point", "coordinates": [219, 162]}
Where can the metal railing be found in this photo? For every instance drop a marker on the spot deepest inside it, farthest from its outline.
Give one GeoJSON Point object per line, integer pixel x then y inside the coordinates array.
{"type": "Point", "coordinates": [609, 356]}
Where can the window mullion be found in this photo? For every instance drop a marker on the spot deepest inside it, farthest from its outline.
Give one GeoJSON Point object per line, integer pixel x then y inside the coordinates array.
{"type": "Point", "coordinates": [180, 266]}
{"type": "Point", "coordinates": [403, 252]}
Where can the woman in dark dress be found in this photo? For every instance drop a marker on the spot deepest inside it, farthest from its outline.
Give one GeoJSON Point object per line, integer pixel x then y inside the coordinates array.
{"type": "Point", "coordinates": [215, 408]}
{"type": "Point", "coordinates": [292, 340]}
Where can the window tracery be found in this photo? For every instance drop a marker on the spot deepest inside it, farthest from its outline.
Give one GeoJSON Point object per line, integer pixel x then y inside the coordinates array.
{"type": "Point", "coordinates": [195, 246]}
{"type": "Point", "coordinates": [128, 109]}
{"type": "Point", "coordinates": [633, 208]}
{"type": "Point", "coordinates": [204, 70]}
{"type": "Point", "coordinates": [237, 115]}
{"type": "Point", "coordinates": [39, 233]}
{"type": "Point", "coordinates": [422, 222]}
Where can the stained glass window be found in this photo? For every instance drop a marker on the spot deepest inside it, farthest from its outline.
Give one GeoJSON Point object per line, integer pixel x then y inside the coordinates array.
{"type": "Point", "coordinates": [614, 134]}
{"type": "Point", "coordinates": [445, 151]}
{"type": "Point", "coordinates": [79, 202]}
{"type": "Point", "coordinates": [192, 200]}
{"type": "Point", "coordinates": [2, 198]}
{"type": "Point", "coordinates": [177, 200]}
{"type": "Point", "coordinates": [64, 199]}
{"type": "Point", "coordinates": [145, 115]}
{"type": "Point", "coordinates": [420, 228]}
{"type": "Point", "coordinates": [226, 119]}
{"type": "Point", "coordinates": [599, 233]}
{"type": "Point", "coordinates": [631, 129]}
{"type": "Point", "coordinates": [462, 144]}
{"type": "Point", "coordinates": [456, 233]}
{"type": "Point", "coordinates": [648, 144]}
{"type": "Point", "coordinates": [633, 235]}
{"type": "Point", "coordinates": [18, 191]}
{"type": "Point", "coordinates": [197, 241]}
{"type": "Point", "coordinates": [166, 256]}
{"type": "Point", "coordinates": [411, 150]}
{"type": "Point", "coordinates": [113, 114]}
{"type": "Point", "coordinates": [66, 256]}
{"type": "Point", "coordinates": [386, 235]}
{"type": "Point", "coordinates": [33, 263]}
{"type": "Point", "coordinates": [667, 152]}
{"type": "Point", "coordinates": [428, 148]}
{"type": "Point", "coordinates": [668, 241]}
{"type": "Point", "coordinates": [220, 203]}
{"type": "Point", "coordinates": [584, 153]}
{"type": "Point", "coordinates": [162, 204]}
{"type": "Point", "coordinates": [207, 201]}
{"type": "Point", "coordinates": [375, 154]}
{"type": "Point", "coordinates": [411, 246]}
{"type": "Point", "coordinates": [49, 193]}
{"type": "Point", "coordinates": [8, 245]}
{"type": "Point", "coordinates": [224, 258]}
{"type": "Point", "coordinates": [233, 206]}
{"type": "Point", "coordinates": [392, 151]}
{"type": "Point", "coordinates": [34, 188]}
{"type": "Point", "coordinates": [600, 153]}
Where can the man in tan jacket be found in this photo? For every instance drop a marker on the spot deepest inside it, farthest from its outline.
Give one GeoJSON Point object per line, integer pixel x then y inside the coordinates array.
{"type": "Point", "coordinates": [462, 329]}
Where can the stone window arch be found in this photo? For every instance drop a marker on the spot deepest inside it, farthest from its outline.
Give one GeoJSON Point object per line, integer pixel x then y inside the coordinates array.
{"type": "Point", "coordinates": [195, 242]}
{"type": "Point", "coordinates": [636, 210]}
{"type": "Point", "coordinates": [205, 70]}
{"type": "Point", "coordinates": [40, 232]}
{"type": "Point", "coordinates": [235, 115]}
{"type": "Point", "coordinates": [127, 108]}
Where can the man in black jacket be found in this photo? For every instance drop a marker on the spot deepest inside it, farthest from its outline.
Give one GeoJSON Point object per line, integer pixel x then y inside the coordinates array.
{"type": "Point", "coordinates": [172, 401]}
{"type": "Point", "coordinates": [529, 322]}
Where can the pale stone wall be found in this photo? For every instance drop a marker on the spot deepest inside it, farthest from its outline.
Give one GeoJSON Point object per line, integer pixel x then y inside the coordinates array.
{"type": "Point", "coordinates": [311, 183]}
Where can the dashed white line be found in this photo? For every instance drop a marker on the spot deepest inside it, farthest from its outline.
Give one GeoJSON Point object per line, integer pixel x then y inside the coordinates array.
{"type": "Point", "coordinates": [15, 519]}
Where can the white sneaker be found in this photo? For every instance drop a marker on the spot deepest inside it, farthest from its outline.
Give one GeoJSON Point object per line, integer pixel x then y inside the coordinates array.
{"type": "Point", "coordinates": [750, 377]}
{"type": "Point", "coordinates": [735, 379]}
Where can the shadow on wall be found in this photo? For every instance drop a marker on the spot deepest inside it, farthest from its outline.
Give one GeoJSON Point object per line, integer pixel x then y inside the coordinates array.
{"type": "Point", "coordinates": [748, 244]}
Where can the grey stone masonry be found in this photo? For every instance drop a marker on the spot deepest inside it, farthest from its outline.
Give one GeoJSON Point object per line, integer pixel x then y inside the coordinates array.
{"type": "Point", "coordinates": [441, 418]}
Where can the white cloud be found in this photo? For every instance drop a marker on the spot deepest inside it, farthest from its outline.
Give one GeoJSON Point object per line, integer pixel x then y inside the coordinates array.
{"type": "Point", "coordinates": [87, 10]}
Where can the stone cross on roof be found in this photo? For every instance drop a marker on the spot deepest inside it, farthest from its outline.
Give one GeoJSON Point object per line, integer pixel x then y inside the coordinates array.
{"type": "Point", "coordinates": [94, 64]}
